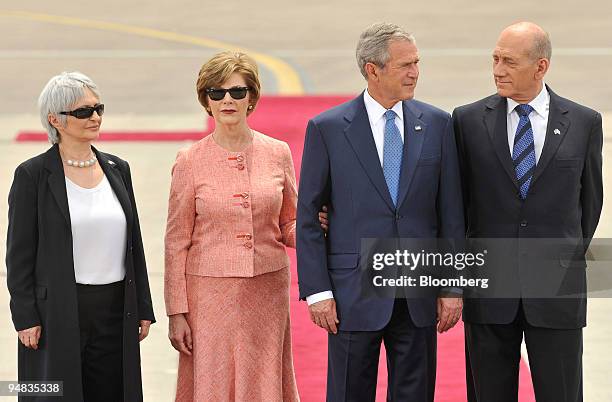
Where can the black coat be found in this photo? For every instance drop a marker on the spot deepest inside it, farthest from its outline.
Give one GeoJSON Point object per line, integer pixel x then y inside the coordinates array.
{"type": "Point", "coordinates": [40, 274]}
{"type": "Point", "coordinates": [564, 203]}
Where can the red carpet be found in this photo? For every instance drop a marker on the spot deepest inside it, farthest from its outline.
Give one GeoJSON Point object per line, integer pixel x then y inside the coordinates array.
{"type": "Point", "coordinates": [282, 117]}
{"type": "Point", "coordinates": [310, 359]}
{"type": "Point", "coordinates": [286, 118]}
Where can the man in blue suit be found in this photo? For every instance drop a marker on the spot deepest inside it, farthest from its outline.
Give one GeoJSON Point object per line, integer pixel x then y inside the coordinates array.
{"type": "Point", "coordinates": [386, 165]}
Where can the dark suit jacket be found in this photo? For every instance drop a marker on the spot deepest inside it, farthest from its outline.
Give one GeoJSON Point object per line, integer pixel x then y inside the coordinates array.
{"type": "Point", "coordinates": [40, 273]}
{"type": "Point", "coordinates": [564, 201]}
{"type": "Point", "coordinates": [341, 168]}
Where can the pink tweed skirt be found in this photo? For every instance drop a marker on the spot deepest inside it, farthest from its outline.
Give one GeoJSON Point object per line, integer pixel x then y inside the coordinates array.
{"type": "Point", "coordinates": [241, 340]}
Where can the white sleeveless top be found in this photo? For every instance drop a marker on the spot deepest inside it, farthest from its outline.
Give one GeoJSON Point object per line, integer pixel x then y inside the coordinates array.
{"type": "Point", "coordinates": [99, 231]}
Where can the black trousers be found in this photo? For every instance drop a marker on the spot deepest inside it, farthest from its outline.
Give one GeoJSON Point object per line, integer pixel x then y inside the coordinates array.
{"type": "Point", "coordinates": [101, 329]}
{"type": "Point", "coordinates": [411, 361]}
{"type": "Point", "coordinates": [493, 354]}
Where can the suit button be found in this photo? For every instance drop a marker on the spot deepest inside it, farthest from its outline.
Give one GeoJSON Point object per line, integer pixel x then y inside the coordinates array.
{"type": "Point", "coordinates": [248, 236]}
{"type": "Point", "coordinates": [398, 217]}
{"type": "Point", "coordinates": [130, 281]}
{"type": "Point", "coordinates": [245, 204]}
{"type": "Point", "coordinates": [240, 166]}
{"type": "Point", "coordinates": [240, 158]}
{"type": "Point", "coordinates": [523, 224]}
{"type": "Point", "coordinates": [129, 315]}
{"type": "Point", "coordinates": [245, 195]}
{"type": "Point", "coordinates": [248, 245]}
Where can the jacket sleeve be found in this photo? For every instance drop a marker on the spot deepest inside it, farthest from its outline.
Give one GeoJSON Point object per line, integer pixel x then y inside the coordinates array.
{"type": "Point", "coordinates": [179, 229]}
{"type": "Point", "coordinates": [450, 199]}
{"type": "Point", "coordinates": [591, 193]}
{"type": "Point", "coordinates": [314, 192]}
{"type": "Point", "coordinates": [450, 202]}
{"type": "Point", "coordinates": [463, 162]}
{"type": "Point", "coordinates": [21, 246]}
{"type": "Point", "coordinates": [289, 205]}
{"type": "Point", "coordinates": [145, 304]}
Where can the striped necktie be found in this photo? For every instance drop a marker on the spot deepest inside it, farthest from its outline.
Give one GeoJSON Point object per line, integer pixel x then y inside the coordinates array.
{"type": "Point", "coordinates": [392, 155]}
{"type": "Point", "coordinates": [523, 152]}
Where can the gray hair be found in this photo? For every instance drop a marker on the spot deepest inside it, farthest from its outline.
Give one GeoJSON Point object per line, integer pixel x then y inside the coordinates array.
{"type": "Point", "coordinates": [373, 45]}
{"type": "Point", "coordinates": [542, 48]}
{"type": "Point", "coordinates": [60, 94]}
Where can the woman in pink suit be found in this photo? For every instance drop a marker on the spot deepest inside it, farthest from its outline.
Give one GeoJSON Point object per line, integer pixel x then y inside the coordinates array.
{"type": "Point", "coordinates": [231, 213]}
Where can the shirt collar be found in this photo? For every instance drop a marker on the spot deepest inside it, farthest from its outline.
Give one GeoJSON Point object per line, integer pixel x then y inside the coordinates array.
{"type": "Point", "coordinates": [540, 103]}
{"type": "Point", "coordinates": [376, 111]}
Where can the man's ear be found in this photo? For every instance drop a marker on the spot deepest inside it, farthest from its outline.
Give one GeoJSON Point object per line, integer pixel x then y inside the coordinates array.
{"type": "Point", "coordinates": [372, 71]}
{"type": "Point", "coordinates": [543, 65]}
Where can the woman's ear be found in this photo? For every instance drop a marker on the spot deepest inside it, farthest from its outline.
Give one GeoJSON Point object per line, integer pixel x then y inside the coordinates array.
{"type": "Point", "coordinates": [54, 121]}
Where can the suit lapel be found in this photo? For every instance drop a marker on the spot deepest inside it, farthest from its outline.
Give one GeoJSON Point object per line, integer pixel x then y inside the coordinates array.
{"type": "Point", "coordinates": [556, 129]}
{"type": "Point", "coordinates": [57, 180]}
{"type": "Point", "coordinates": [360, 137]}
{"type": "Point", "coordinates": [413, 144]}
{"type": "Point", "coordinates": [114, 176]}
{"type": "Point", "coordinates": [496, 121]}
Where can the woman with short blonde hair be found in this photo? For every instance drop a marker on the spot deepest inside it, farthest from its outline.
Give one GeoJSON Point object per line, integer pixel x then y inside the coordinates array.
{"type": "Point", "coordinates": [231, 213]}
{"type": "Point", "coordinates": [218, 70]}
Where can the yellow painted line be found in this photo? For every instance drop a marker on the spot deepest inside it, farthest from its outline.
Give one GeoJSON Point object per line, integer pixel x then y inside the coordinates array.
{"type": "Point", "coordinates": [288, 80]}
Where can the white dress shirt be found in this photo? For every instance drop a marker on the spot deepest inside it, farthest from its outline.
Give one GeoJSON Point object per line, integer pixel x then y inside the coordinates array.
{"type": "Point", "coordinates": [376, 116]}
{"type": "Point", "coordinates": [538, 118]}
{"type": "Point", "coordinates": [99, 232]}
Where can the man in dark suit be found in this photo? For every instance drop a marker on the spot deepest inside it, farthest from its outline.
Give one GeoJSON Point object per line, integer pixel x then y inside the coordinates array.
{"type": "Point", "coordinates": [531, 169]}
{"type": "Point", "coordinates": [386, 165]}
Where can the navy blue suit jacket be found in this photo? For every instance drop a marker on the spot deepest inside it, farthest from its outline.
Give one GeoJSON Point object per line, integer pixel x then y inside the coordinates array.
{"type": "Point", "coordinates": [341, 169]}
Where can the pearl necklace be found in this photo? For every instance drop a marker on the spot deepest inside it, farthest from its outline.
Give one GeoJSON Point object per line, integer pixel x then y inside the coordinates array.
{"type": "Point", "coordinates": [82, 164]}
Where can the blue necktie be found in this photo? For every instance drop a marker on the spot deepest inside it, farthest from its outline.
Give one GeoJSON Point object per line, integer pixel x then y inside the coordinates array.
{"type": "Point", "coordinates": [392, 155]}
{"type": "Point", "coordinates": [523, 152]}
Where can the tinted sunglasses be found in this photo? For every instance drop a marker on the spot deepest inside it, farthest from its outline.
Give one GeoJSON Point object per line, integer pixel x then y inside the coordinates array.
{"type": "Point", "coordinates": [86, 112]}
{"type": "Point", "coordinates": [217, 94]}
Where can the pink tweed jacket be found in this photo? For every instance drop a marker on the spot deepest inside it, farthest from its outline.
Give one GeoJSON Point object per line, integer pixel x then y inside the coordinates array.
{"type": "Point", "coordinates": [230, 214]}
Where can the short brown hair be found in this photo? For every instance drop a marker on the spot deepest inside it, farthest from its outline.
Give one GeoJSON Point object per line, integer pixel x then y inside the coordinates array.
{"type": "Point", "coordinates": [218, 70]}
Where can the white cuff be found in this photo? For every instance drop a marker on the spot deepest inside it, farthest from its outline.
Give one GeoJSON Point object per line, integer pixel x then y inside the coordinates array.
{"type": "Point", "coordinates": [317, 297]}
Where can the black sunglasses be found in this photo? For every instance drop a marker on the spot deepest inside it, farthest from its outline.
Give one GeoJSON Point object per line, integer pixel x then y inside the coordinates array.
{"type": "Point", "coordinates": [86, 112]}
{"type": "Point", "coordinates": [217, 94]}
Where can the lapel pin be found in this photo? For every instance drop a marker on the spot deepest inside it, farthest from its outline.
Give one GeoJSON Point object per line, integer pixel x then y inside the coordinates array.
{"type": "Point", "coordinates": [111, 162]}
{"type": "Point", "coordinates": [417, 128]}
{"type": "Point", "coordinates": [557, 131]}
